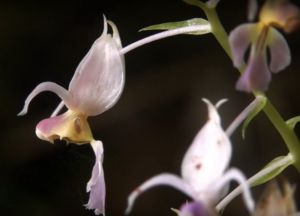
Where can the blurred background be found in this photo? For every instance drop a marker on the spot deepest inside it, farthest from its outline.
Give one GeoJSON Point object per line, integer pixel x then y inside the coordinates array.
{"type": "Point", "coordinates": [148, 131]}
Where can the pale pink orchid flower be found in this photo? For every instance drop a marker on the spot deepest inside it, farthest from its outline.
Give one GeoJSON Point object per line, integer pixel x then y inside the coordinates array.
{"type": "Point", "coordinates": [261, 37]}
{"type": "Point", "coordinates": [205, 175]}
{"type": "Point", "coordinates": [95, 87]}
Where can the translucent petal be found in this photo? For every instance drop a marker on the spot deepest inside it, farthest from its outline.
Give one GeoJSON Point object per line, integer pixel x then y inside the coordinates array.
{"type": "Point", "coordinates": [208, 156]}
{"type": "Point", "coordinates": [239, 40]}
{"type": "Point", "coordinates": [257, 75]}
{"type": "Point", "coordinates": [96, 185]}
{"type": "Point", "coordinates": [162, 179]}
{"type": "Point", "coordinates": [235, 174]}
{"type": "Point", "coordinates": [52, 87]}
{"type": "Point", "coordinates": [99, 79]}
{"type": "Point", "coordinates": [279, 49]}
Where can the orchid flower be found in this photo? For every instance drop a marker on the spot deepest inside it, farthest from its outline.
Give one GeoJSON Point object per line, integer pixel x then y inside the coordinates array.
{"type": "Point", "coordinates": [95, 87]}
{"type": "Point", "coordinates": [262, 36]}
{"type": "Point", "coordinates": [204, 171]}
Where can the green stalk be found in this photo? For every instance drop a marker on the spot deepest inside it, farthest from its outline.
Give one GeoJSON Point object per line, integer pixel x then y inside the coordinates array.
{"type": "Point", "coordinates": [287, 134]}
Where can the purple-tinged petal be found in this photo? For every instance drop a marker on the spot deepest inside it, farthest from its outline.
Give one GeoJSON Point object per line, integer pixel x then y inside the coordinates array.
{"type": "Point", "coordinates": [196, 209]}
{"type": "Point", "coordinates": [239, 40]}
{"type": "Point", "coordinates": [99, 79]}
{"type": "Point", "coordinates": [96, 185]}
{"type": "Point", "coordinates": [70, 126]}
{"type": "Point", "coordinates": [162, 179]}
{"type": "Point", "coordinates": [48, 86]}
{"type": "Point", "coordinates": [279, 49]}
{"type": "Point", "coordinates": [256, 75]}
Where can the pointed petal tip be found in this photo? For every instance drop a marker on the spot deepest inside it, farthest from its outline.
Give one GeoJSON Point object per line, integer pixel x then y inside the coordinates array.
{"type": "Point", "coordinates": [127, 210]}
{"type": "Point", "coordinates": [104, 25]}
{"type": "Point", "coordinates": [217, 105]}
{"type": "Point", "coordinates": [221, 102]}
{"type": "Point", "coordinates": [22, 112]}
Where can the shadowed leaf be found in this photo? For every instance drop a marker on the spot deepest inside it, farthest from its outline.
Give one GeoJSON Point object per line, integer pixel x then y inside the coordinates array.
{"type": "Point", "coordinates": [180, 24]}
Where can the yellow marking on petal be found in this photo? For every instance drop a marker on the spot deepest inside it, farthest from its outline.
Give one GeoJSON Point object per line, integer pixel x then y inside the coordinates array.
{"type": "Point", "coordinates": [70, 126]}
{"type": "Point", "coordinates": [281, 14]}
{"type": "Point", "coordinates": [260, 44]}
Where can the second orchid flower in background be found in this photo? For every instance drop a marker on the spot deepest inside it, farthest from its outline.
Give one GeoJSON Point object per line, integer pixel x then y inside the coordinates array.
{"type": "Point", "coordinates": [262, 36]}
{"type": "Point", "coordinates": [205, 177]}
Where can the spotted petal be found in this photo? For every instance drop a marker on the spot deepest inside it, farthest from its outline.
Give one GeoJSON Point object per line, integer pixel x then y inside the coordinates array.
{"type": "Point", "coordinates": [279, 49]}
{"type": "Point", "coordinates": [210, 150]}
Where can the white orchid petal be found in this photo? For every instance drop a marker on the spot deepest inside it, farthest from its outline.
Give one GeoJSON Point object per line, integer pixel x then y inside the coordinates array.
{"type": "Point", "coordinates": [116, 35]}
{"type": "Point", "coordinates": [210, 150]}
{"type": "Point", "coordinates": [96, 185]}
{"type": "Point", "coordinates": [235, 174]}
{"type": "Point", "coordinates": [99, 79]}
{"type": "Point", "coordinates": [162, 179]}
{"type": "Point", "coordinates": [279, 49]}
{"type": "Point", "coordinates": [48, 86]}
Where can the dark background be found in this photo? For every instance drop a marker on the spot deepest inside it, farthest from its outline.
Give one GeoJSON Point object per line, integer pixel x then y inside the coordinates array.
{"type": "Point", "coordinates": [148, 131]}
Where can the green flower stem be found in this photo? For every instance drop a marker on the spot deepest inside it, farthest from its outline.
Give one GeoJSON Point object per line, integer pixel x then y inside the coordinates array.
{"type": "Point", "coordinates": [285, 132]}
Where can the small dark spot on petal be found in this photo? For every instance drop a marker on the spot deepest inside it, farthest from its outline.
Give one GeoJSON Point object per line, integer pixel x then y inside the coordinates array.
{"type": "Point", "coordinates": [198, 166]}
{"type": "Point", "coordinates": [77, 125]}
